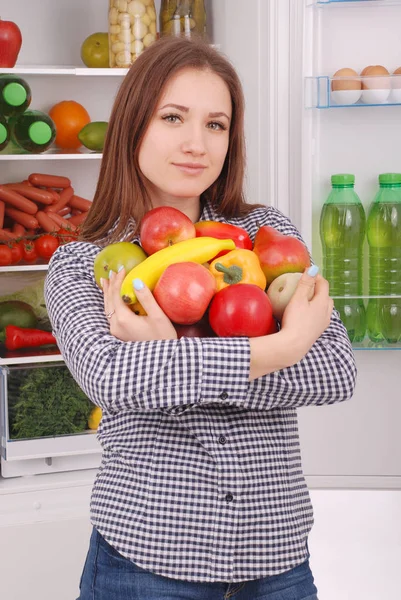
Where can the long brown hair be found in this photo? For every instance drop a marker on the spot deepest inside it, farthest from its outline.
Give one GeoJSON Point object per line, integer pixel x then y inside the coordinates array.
{"type": "Point", "coordinates": [121, 195]}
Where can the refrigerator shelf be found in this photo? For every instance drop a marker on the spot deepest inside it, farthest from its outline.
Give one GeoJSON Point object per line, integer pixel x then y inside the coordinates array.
{"type": "Point", "coordinates": [319, 92]}
{"type": "Point", "coordinates": [54, 154]}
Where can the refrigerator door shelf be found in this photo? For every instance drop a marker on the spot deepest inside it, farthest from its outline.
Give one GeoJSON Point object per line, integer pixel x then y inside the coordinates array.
{"type": "Point", "coordinates": [320, 3]}
{"type": "Point", "coordinates": [378, 91]}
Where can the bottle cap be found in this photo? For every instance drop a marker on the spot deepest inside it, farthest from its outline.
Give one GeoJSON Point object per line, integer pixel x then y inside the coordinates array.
{"type": "Point", "coordinates": [343, 179]}
{"type": "Point", "coordinates": [3, 133]}
{"type": "Point", "coordinates": [40, 132]}
{"type": "Point", "coordinates": [14, 94]}
{"type": "Point", "coordinates": [390, 179]}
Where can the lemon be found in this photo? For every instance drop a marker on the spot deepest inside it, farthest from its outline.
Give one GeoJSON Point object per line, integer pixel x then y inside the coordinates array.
{"type": "Point", "coordinates": [95, 418]}
{"type": "Point", "coordinates": [95, 51]}
{"type": "Point", "coordinates": [93, 134]}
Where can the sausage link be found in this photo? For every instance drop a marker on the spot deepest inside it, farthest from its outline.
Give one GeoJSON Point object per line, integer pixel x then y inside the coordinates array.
{"type": "Point", "coordinates": [78, 219]}
{"type": "Point", "coordinates": [6, 236]}
{"type": "Point", "coordinates": [46, 222]}
{"type": "Point", "coordinates": [22, 218]}
{"type": "Point", "coordinates": [2, 209]}
{"type": "Point", "coordinates": [29, 191]}
{"type": "Point", "coordinates": [64, 223]}
{"type": "Point", "coordinates": [55, 181]}
{"type": "Point", "coordinates": [19, 230]}
{"type": "Point", "coordinates": [65, 197]}
{"type": "Point", "coordinates": [80, 203]}
{"type": "Point", "coordinates": [15, 200]}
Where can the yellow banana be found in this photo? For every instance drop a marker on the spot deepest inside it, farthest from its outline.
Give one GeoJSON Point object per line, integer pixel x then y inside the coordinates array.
{"type": "Point", "coordinates": [198, 250]}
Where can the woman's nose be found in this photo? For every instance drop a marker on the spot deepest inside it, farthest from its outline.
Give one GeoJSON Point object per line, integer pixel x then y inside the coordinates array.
{"type": "Point", "coordinates": [194, 142]}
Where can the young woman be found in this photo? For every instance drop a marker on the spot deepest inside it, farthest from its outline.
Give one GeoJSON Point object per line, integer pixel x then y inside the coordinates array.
{"type": "Point", "coordinates": [200, 493]}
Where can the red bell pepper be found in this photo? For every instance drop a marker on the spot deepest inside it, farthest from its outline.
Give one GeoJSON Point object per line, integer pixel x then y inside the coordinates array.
{"type": "Point", "coordinates": [15, 338]}
{"type": "Point", "coordinates": [224, 231]}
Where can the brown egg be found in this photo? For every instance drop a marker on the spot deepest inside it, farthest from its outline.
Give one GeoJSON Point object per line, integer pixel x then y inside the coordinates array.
{"type": "Point", "coordinates": [376, 77]}
{"type": "Point", "coordinates": [396, 81]}
{"type": "Point", "coordinates": [351, 83]}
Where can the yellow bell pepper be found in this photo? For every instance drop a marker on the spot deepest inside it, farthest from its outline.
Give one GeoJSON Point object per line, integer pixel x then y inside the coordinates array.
{"type": "Point", "coordinates": [238, 266]}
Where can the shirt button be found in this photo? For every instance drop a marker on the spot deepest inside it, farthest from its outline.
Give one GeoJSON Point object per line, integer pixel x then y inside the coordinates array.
{"type": "Point", "coordinates": [229, 498]}
{"type": "Point", "coordinates": [223, 396]}
{"type": "Point", "coordinates": [222, 439]}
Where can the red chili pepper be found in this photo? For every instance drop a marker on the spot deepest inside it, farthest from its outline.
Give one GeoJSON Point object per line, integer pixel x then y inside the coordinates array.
{"type": "Point", "coordinates": [224, 231]}
{"type": "Point", "coordinates": [15, 338]}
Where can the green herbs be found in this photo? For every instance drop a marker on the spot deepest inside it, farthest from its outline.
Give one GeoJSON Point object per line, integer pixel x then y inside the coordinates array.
{"type": "Point", "coordinates": [45, 401]}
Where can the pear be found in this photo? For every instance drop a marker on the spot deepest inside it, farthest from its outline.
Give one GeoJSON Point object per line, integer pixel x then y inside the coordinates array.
{"type": "Point", "coordinates": [281, 290]}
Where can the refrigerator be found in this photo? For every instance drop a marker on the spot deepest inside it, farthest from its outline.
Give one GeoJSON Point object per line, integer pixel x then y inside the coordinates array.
{"type": "Point", "coordinates": [286, 52]}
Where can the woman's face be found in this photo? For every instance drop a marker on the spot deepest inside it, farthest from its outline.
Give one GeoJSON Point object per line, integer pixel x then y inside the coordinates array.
{"type": "Point", "coordinates": [186, 143]}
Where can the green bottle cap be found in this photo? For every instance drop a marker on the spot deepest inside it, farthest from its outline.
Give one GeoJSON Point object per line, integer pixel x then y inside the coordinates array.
{"type": "Point", "coordinates": [14, 94]}
{"type": "Point", "coordinates": [40, 132]}
{"type": "Point", "coordinates": [3, 133]}
{"type": "Point", "coordinates": [390, 179]}
{"type": "Point", "coordinates": [342, 179]}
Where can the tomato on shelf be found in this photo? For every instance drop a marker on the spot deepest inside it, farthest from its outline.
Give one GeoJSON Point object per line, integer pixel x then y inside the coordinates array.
{"type": "Point", "coordinates": [46, 245]}
{"type": "Point", "coordinates": [29, 253]}
{"type": "Point", "coordinates": [5, 255]}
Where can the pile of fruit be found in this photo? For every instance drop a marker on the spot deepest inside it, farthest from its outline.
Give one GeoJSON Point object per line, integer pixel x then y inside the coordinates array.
{"type": "Point", "coordinates": [36, 216]}
{"type": "Point", "coordinates": [208, 277]}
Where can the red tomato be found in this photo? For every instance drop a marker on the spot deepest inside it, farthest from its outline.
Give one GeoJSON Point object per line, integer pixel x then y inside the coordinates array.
{"type": "Point", "coordinates": [5, 255]}
{"type": "Point", "coordinates": [29, 253]}
{"type": "Point", "coordinates": [17, 252]}
{"type": "Point", "coordinates": [65, 236]}
{"type": "Point", "coordinates": [184, 291]}
{"type": "Point", "coordinates": [242, 309]}
{"type": "Point", "coordinates": [46, 245]}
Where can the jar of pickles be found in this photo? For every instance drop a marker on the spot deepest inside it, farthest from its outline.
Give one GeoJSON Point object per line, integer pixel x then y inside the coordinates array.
{"type": "Point", "coordinates": [132, 28]}
{"type": "Point", "coordinates": [183, 17]}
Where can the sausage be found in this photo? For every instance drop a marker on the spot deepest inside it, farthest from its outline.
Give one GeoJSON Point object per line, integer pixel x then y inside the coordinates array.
{"type": "Point", "coordinates": [64, 211]}
{"type": "Point", "coordinates": [6, 236]}
{"type": "Point", "coordinates": [46, 222]}
{"type": "Point", "coordinates": [80, 203]}
{"type": "Point", "coordinates": [75, 211]}
{"type": "Point", "coordinates": [22, 218]}
{"type": "Point", "coordinates": [17, 201]}
{"type": "Point", "coordinates": [29, 191]}
{"type": "Point", "coordinates": [78, 219]}
{"type": "Point", "coordinates": [65, 197]}
{"type": "Point", "coordinates": [64, 223]}
{"type": "Point", "coordinates": [55, 181]}
{"type": "Point", "coordinates": [18, 229]}
{"type": "Point", "coordinates": [2, 209]}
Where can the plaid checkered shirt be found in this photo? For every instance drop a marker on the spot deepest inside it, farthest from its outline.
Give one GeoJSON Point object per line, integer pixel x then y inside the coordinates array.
{"type": "Point", "coordinates": [200, 477]}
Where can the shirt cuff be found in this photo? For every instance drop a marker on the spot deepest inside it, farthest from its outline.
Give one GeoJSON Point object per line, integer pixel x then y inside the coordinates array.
{"type": "Point", "coordinates": [225, 374]}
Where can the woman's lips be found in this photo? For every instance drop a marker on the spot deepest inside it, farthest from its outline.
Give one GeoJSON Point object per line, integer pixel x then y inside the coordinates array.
{"type": "Point", "coordinates": [190, 169]}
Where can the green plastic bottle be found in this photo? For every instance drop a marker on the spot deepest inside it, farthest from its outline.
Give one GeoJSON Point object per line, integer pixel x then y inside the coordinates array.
{"type": "Point", "coordinates": [384, 239]}
{"type": "Point", "coordinates": [342, 233]}
{"type": "Point", "coordinates": [33, 131]}
{"type": "Point", "coordinates": [4, 133]}
{"type": "Point", "coordinates": [15, 95]}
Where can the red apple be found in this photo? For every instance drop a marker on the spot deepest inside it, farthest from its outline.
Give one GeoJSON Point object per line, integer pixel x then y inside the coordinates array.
{"type": "Point", "coordinates": [279, 253]}
{"type": "Point", "coordinates": [184, 291]}
{"type": "Point", "coordinates": [241, 309]}
{"type": "Point", "coordinates": [10, 43]}
{"type": "Point", "coordinates": [164, 226]}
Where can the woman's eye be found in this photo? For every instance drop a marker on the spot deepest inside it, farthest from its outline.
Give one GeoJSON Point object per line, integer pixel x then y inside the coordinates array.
{"type": "Point", "coordinates": [171, 118]}
{"type": "Point", "coordinates": [217, 126]}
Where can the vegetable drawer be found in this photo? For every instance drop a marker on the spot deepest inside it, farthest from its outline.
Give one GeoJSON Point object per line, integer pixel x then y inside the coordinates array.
{"type": "Point", "coordinates": [44, 421]}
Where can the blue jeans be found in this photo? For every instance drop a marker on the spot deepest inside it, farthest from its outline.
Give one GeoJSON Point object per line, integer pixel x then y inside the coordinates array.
{"type": "Point", "coordinates": [109, 576]}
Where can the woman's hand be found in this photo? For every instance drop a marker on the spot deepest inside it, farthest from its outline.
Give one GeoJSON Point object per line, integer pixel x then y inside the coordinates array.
{"type": "Point", "coordinates": [305, 320]}
{"type": "Point", "coordinates": [303, 323]}
{"type": "Point", "coordinates": [125, 324]}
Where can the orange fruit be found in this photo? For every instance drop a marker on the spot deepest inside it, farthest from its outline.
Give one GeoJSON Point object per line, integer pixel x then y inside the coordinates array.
{"type": "Point", "coordinates": [69, 118]}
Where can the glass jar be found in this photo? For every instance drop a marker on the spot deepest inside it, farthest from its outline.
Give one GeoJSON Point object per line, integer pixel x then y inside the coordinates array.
{"type": "Point", "coordinates": [183, 17]}
{"type": "Point", "coordinates": [132, 28]}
